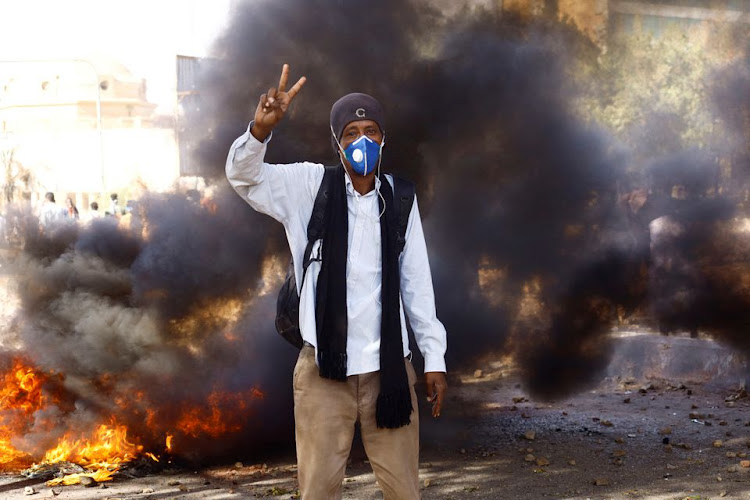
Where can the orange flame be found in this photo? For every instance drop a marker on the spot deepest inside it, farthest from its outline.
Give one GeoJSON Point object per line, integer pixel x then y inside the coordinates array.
{"type": "Point", "coordinates": [225, 414]}
{"type": "Point", "coordinates": [20, 396]}
{"type": "Point", "coordinates": [107, 448]}
{"type": "Point", "coordinates": [25, 390]}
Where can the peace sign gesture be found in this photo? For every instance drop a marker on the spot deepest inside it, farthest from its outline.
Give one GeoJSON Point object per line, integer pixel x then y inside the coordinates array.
{"type": "Point", "coordinates": [273, 105]}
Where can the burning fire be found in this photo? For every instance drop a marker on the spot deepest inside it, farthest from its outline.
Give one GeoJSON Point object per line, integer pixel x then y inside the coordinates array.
{"type": "Point", "coordinates": [104, 453]}
{"type": "Point", "coordinates": [105, 448]}
{"type": "Point", "coordinates": [129, 354]}
{"type": "Point", "coordinates": [20, 396]}
{"type": "Point", "coordinates": [108, 447]}
{"type": "Point", "coordinates": [213, 421]}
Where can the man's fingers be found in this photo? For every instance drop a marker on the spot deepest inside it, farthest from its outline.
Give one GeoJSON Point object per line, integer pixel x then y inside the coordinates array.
{"type": "Point", "coordinates": [436, 389]}
{"type": "Point", "coordinates": [272, 101]}
{"type": "Point", "coordinates": [436, 409]}
{"type": "Point", "coordinates": [296, 88]}
{"type": "Point", "coordinates": [439, 404]}
{"type": "Point", "coordinates": [284, 78]}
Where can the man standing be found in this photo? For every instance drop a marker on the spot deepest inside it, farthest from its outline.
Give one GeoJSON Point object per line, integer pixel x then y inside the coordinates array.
{"type": "Point", "coordinates": [50, 213]}
{"type": "Point", "coordinates": [355, 364]}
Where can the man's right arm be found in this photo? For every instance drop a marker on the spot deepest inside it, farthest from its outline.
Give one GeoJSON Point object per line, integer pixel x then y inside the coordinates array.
{"type": "Point", "coordinates": [275, 190]}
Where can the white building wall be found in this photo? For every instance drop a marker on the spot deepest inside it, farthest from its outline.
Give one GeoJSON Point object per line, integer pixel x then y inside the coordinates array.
{"type": "Point", "coordinates": [72, 161]}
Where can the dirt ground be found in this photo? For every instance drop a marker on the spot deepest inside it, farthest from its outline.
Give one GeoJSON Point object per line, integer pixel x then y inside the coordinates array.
{"type": "Point", "coordinates": [665, 423]}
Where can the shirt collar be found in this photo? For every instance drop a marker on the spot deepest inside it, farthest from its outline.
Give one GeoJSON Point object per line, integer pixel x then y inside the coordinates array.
{"type": "Point", "coordinates": [350, 186]}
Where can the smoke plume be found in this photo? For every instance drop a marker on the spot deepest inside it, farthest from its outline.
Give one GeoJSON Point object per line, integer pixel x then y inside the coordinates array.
{"type": "Point", "coordinates": [478, 115]}
{"type": "Point", "coordinates": [534, 247]}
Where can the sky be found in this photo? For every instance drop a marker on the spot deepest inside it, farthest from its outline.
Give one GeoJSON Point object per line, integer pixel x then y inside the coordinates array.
{"type": "Point", "coordinates": [144, 35]}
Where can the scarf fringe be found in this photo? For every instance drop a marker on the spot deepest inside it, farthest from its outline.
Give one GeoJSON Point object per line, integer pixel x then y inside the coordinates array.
{"type": "Point", "coordinates": [332, 365]}
{"type": "Point", "coordinates": [393, 410]}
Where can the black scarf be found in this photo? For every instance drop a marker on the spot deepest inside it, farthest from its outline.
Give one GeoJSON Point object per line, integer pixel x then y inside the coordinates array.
{"type": "Point", "coordinates": [394, 406]}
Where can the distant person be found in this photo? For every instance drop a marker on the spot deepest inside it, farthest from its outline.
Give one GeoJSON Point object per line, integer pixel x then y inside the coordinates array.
{"type": "Point", "coordinates": [94, 212]}
{"type": "Point", "coordinates": [114, 205]}
{"type": "Point", "coordinates": [51, 213]}
{"type": "Point", "coordinates": [72, 210]}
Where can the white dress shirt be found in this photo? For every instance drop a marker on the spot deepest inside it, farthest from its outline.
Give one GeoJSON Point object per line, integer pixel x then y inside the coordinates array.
{"type": "Point", "coordinates": [287, 193]}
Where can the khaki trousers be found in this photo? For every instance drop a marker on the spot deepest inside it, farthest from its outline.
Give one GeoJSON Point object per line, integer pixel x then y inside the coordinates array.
{"type": "Point", "coordinates": [325, 412]}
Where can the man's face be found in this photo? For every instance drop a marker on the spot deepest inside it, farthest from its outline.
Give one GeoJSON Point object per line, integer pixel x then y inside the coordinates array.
{"type": "Point", "coordinates": [355, 130]}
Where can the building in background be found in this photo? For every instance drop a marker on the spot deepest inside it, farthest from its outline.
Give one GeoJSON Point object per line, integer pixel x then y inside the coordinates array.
{"type": "Point", "coordinates": [83, 128]}
{"type": "Point", "coordinates": [90, 103]}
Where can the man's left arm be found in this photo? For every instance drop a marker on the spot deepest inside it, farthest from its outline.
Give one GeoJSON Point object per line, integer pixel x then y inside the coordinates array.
{"type": "Point", "coordinates": [418, 299]}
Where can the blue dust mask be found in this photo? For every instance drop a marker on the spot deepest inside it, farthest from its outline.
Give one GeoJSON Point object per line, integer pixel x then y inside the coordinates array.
{"type": "Point", "coordinates": [363, 154]}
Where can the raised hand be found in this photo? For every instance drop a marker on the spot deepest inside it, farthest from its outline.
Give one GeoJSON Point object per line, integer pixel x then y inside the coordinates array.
{"type": "Point", "coordinates": [273, 105]}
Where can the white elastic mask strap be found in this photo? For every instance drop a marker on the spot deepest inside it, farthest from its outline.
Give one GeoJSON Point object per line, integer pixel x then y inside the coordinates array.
{"type": "Point", "coordinates": [341, 150]}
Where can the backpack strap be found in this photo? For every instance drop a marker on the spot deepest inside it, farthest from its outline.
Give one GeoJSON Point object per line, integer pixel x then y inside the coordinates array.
{"type": "Point", "coordinates": [403, 196]}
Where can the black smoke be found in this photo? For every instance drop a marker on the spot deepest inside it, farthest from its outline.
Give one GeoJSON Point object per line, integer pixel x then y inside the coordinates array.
{"type": "Point", "coordinates": [511, 182]}
{"type": "Point", "coordinates": [479, 115]}
{"type": "Point", "coordinates": [153, 320]}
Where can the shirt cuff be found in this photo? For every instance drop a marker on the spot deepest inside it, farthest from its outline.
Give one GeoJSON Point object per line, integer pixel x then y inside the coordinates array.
{"type": "Point", "coordinates": [251, 138]}
{"type": "Point", "coordinates": [434, 363]}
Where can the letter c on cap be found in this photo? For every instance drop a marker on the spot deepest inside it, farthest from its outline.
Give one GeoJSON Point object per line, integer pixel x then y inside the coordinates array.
{"type": "Point", "coordinates": [360, 112]}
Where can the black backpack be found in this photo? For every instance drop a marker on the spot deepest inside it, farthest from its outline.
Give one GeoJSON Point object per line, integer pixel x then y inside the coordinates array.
{"type": "Point", "coordinates": [287, 305]}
